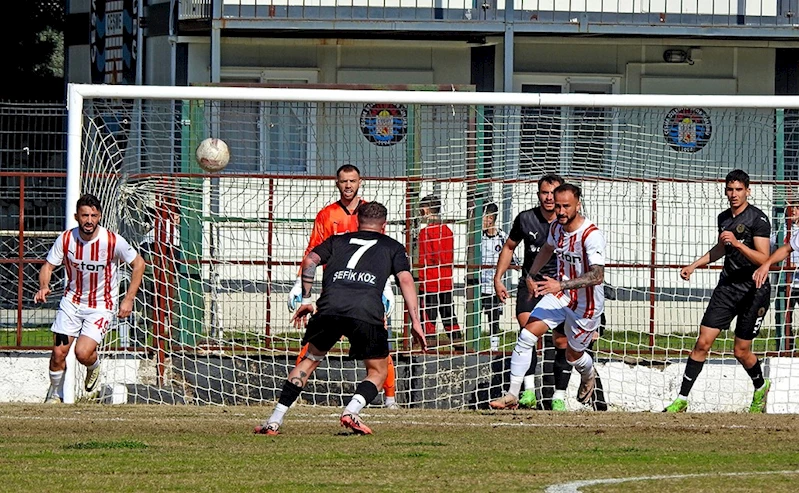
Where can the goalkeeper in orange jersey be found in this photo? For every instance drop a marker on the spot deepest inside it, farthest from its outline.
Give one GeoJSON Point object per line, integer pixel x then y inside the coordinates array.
{"type": "Point", "coordinates": [338, 218]}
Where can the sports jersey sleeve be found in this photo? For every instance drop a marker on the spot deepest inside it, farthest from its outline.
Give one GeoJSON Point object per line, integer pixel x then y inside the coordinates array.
{"type": "Point", "coordinates": [124, 251]}
{"type": "Point", "coordinates": [399, 260]}
{"type": "Point", "coordinates": [324, 250]}
{"type": "Point", "coordinates": [56, 254]}
{"type": "Point", "coordinates": [762, 226]}
{"type": "Point", "coordinates": [551, 235]}
{"type": "Point", "coordinates": [320, 231]}
{"type": "Point", "coordinates": [423, 248]}
{"type": "Point", "coordinates": [516, 233]}
{"type": "Point", "coordinates": [595, 248]}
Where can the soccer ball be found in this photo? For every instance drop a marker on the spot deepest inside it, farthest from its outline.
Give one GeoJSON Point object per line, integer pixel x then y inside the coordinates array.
{"type": "Point", "coordinates": [213, 155]}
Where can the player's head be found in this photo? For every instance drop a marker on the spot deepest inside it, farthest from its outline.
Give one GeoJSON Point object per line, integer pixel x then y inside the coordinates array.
{"type": "Point", "coordinates": [567, 203]}
{"type": "Point", "coordinates": [430, 206]}
{"type": "Point", "coordinates": [372, 216]}
{"type": "Point", "coordinates": [546, 186]}
{"type": "Point", "coordinates": [88, 213]}
{"type": "Point", "coordinates": [348, 181]}
{"type": "Point", "coordinates": [736, 187]}
{"type": "Point", "coordinates": [490, 215]}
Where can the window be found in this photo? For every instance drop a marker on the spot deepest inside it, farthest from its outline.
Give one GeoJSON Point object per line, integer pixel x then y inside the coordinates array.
{"type": "Point", "coordinates": [269, 137]}
{"type": "Point", "coordinates": [567, 140]}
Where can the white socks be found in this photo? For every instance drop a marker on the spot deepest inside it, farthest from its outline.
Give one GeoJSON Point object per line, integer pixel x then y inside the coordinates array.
{"type": "Point", "coordinates": [357, 403]}
{"type": "Point", "coordinates": [56, 377]}
{"type": "Point", "coordinates": [583, 365]}
{"type": "Point", "coordinates": [278, 413]}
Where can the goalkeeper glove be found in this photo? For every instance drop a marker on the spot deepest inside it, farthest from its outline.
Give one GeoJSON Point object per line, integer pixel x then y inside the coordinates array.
{"type": "Point", "coordinates": [295, 295]}
{"type": "Point", "coordinates": [388, 299]}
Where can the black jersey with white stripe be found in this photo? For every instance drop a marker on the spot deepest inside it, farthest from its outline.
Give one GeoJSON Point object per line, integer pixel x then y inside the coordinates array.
{"type": "Point", "coordinates": [532, 227]}
{"type": "Point", "coordinates": [747, 225]}
{"type": "Point", "coordinates": [357, 266]}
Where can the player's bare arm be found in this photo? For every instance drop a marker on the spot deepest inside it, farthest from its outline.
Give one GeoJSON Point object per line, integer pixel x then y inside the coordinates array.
{"type": "Point", "coordinates": [540, 260]}
{"type": "Point", "coordinates": [408, 289]}
{"type": "Point", "coordinates": [45, 274]}
{"type": "Point", "coordinates": [308, 272]}
{"type": "Point", "coordinates": [780, 254]}
{"type": "Point", "coordinates": [712, 255]}
{"type": "Point", "coordinates": [126, 305]}
{"type": "Point", "coordinates": [503, 263]}
{"type": "Point", "coordinates": [594, 277]}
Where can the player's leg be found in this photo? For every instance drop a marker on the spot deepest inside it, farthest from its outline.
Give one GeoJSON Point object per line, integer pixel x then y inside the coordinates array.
{"type": "Point", "coordinates": [321, 334]}
{"type": "Point", "coordinates": [598, 401]}
{"type": "Point", "coordinates": [430, 312]}
{"type": "Point", "coordinates": [390, 384]}
{"type": "Point", "coordinates": [448, 318]}
{"type": "Point", "coordinates": [561, 369]}
{"type": "Point", "coordinates": [525, 303]}
{"type": "Point", "coordinates": [750, 318]}
{"type": "Point", "coordinates": [718, 315]}
{"type": "Point", "coordinates": [65, 328]}
{"type": "Point", "coordinates": [545, 316]}
{"type": "Point", "coordinates": [579, 335]}
{"type": "Point", "coordinates": [95, 325]}
{"type": "Point", "coordinates": [369, 343]}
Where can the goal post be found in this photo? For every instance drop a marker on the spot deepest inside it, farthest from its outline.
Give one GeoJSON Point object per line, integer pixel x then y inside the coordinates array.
{"type": "Point", "coordinates": [210, 325]}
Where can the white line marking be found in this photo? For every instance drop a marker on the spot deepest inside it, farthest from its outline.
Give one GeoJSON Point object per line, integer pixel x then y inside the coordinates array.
{"type": "Point", "coordinates": [574, 487]}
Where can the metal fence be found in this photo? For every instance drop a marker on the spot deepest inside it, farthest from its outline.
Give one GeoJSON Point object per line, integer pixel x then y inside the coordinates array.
{"type": "Point", "coordinates": [32, 195]}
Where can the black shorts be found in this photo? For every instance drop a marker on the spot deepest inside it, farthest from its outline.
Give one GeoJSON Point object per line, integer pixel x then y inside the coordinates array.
{"type": "Point", "coordinates": [367, 341]}
{"type": "Point", "coordinates": [743, 300]}
{"type": "Point", "coordinates": [524, 302]}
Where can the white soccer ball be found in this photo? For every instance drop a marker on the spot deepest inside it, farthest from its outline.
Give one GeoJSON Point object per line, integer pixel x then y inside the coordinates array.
{"type": "Point", "coordinates": [213, 155]}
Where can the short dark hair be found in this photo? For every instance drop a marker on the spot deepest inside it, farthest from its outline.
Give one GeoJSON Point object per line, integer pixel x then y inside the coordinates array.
{"type": "Point", "coordinates": [372, 212]}
{"type": "Point", "coordinates": [737, 175]}
{"type": "Point", "coordinates": [347, 167]}
{"type": "Point", "coordinates": [431, 202]}
{"type": "Point", "coordinates": [490, 209]}
{"type": "Point", "coordinates": [568, 187]}
{"type": "Point", "coordinates": [89, 200]}
{"type": "Point", "coordinates": [551, 178]}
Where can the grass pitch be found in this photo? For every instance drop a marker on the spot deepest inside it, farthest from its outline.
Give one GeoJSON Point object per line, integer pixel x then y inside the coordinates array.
{"type": "Point", "coordinates": [180, 448]}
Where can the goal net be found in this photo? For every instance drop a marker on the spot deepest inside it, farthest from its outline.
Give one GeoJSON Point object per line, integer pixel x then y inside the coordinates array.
{"type": "Point", "coordinates": [211, 325]}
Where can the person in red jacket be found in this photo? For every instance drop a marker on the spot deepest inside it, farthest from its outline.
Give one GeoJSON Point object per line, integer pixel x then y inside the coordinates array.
{"type": "Point", "coordinates": [335, 219]}
{"type": "Point", "coordinates": [436, 251]}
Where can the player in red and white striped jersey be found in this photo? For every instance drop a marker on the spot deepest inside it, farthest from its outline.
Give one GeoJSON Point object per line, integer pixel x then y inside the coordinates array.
{"type": "Point", "coordinates": [575, 298]}
{"type": "Point", "coordinates": [90, 254]}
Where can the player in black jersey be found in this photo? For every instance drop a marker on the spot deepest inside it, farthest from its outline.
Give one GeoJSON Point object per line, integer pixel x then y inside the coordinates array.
{"type": "Point", "coordinates": [358, 265]}
{"type": "Point", "coordinates": [531, 227]}
{"type": "Point", "coordinates": [744, 232]}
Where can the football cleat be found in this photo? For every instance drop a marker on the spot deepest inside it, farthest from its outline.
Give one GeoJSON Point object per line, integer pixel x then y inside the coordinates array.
{"type": "Point", "coordinates": [270, 429]}
{"type": "Point", "coordinates": [558, 405]}
{"type": "Point", "coordinates": [92, 377]}
{"type": "Point", "coordinates": [507, 401]}
{"type": "Point", "coordinates": [586, 390]}
{"type": "Point", "coordinates": [353, 422]}
{"type": "Point", "coordinates": [52, 398]}
{"type": "Point", "coordinates": [678, 406]}
{"type": "Point", "coordinates": [759, 398]}
{"type": "Point", "coordinates": [528, 399]}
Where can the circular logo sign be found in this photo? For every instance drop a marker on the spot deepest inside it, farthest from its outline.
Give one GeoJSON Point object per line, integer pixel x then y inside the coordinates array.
{"type": "Point", "coordinates": [687, 129]}
{"type": "Point", "coordinates": [384, 124]}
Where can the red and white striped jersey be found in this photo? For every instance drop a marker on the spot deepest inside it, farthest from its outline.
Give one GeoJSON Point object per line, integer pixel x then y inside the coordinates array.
{"type": "Point", "coordinates": [576, 251]}
{"type": "Point", "coordinates": [92, 266]}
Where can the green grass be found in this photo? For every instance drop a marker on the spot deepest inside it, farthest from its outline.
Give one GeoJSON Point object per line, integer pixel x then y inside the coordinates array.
{"type": "Point", "coordinates": [617, 342]}
{"type": "Point", "coordinates": [95, 448]}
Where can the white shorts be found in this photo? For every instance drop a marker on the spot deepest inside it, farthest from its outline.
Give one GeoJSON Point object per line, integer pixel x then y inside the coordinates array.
{"type": "Point", "coordinates": [75, 320]}
{"type": "Point", "coordinates": [579, 331]}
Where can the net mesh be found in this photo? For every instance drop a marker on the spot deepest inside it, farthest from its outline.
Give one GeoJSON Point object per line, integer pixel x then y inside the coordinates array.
{"type": "Point", "coordinates": [211, 325]}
